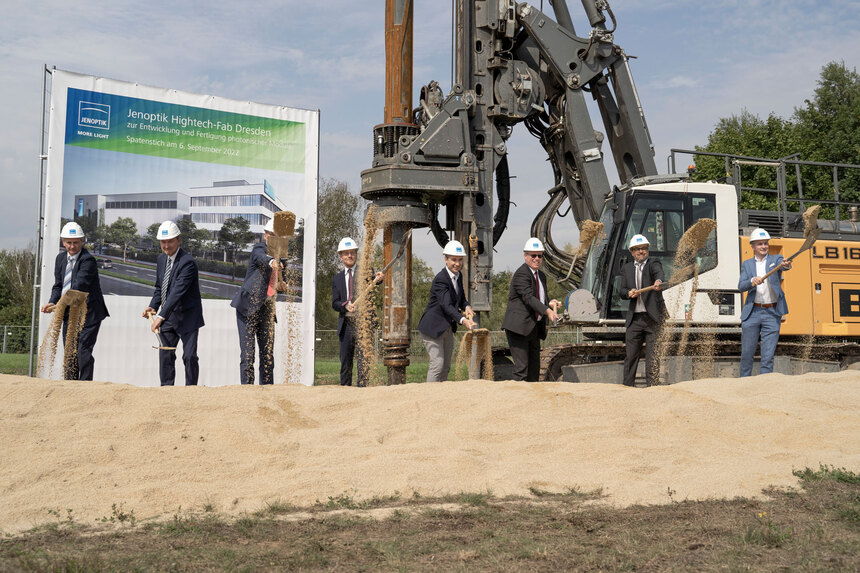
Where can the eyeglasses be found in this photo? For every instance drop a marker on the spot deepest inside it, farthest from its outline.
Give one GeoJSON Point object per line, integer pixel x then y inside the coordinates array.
{"type": "Point", "coordinates": [537, 256]}
{"type": "Point", "coordinates": [634, 249]}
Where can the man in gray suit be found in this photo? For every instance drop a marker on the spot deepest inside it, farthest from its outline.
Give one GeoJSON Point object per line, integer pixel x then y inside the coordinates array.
{"type": "Point", "coordinates": [529, 310]}
{"type": "Point", "coordinates": [255, 311]}
{"type": "Point", "coordinates": [443, 313]}
{"type": "Point", "coordinates": [765, 304]}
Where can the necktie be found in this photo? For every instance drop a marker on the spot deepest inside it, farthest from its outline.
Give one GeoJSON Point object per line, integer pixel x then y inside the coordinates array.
{"type": "Point", "coordinates": [537, 293]}
{"type": "Point", "coordinates": [273, 278]}
{"type": "Point", "coordinates": [165, 281]}
{"type": "Point", "coordinates": [638, 276]}
{"type": "Point", "coordinates": [67, 278]}
{"type": "Point", "coordinates": [350, 285]}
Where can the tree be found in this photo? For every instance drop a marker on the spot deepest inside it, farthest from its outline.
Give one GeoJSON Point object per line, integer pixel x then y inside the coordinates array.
{"type": "Point", "coordinates": [193, 239]}
{"type": "Point", "coordinates": [747, 134]}
{"type": "Point", "coordinates": [123, 232]}
{"type": "Point", "coordinates": [235, 234]}
{"type": "Point", "coordinates": [99, 237]}
{"type": "Point", "coordinates": [339, 216]}
{"type": "Point", "coordinates": [16, 295]}
{"type": "Point", "coordinates": [829, 125]}
{"type": "Point", "coordinates": [297, 242]}
{"type": "Point", "coordinates": [826, 128]}
{"type": "Point", "coordinates": [422, 279]}
{"type": "Point", "coordinates": [152, 232]}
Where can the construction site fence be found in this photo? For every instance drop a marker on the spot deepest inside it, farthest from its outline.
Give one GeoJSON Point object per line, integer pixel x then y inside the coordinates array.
{"type": "Point", "coordinates": [15, 339]}
{"type": "Point", "coordinates": [328, 344]}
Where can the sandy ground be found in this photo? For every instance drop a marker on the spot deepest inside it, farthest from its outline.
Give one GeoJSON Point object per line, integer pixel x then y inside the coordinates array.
{"type": "Point", "coordinates": [87, 445]}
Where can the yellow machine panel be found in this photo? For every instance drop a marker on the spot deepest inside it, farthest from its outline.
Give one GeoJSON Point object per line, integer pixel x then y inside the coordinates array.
{"type": "Point", "coordinates": [822, 288]}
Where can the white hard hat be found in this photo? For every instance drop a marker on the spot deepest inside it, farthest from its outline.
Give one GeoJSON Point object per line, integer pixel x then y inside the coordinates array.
{"type": "Point", "coordinates": [269, 227]}
{"type": "Point", "coordinates": [533, 244]}
{"type": "Point", "coordinates": [72, 231]}
{"type": "Point", "coordinates": [454, 249]}
{"type": "Point", "coordinates": [638, 241]}
{"type": "Point", "coordinates": [346, 244]}
{"type": "Point", "coordinates": [168, 230]}
{"type": "Point", "coordinates": [759, 235]}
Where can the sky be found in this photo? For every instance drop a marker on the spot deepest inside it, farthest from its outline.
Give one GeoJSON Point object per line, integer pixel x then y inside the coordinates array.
{"type": "Point", "coordinates": [696, 62]}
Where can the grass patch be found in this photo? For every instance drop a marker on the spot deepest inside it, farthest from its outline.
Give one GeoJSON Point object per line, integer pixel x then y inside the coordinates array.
{"type": "Point", "coordinates": [15, 364]}
{"type": "Point", "coordinates": [327, 372]}
{"type": "Point", "coordinates": [803, 529]}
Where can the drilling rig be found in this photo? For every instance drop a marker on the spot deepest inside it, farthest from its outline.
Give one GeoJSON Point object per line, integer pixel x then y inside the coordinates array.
{"type": "Point", "coordinates": [443, 164]}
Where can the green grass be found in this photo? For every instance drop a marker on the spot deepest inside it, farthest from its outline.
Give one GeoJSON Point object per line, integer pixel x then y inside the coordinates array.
{"type": "Point", "coordinates": [14, 364]}
{"type": "Point", "coordinates": [811, 528]}
{"type": "Point", "coordinates": [327, 372]}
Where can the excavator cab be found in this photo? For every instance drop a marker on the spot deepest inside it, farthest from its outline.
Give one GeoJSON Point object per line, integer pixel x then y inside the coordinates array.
{"type": "Point", "coordinates": [660, 215]}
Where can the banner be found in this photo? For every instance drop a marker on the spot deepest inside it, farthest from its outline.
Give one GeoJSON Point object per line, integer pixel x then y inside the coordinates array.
{"type": "Point", "coordinates": [123, 158]}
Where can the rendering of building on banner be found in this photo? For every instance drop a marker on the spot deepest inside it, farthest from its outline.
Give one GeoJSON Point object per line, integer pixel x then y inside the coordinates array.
{"type": "Point", "coordinates": [207, 207]}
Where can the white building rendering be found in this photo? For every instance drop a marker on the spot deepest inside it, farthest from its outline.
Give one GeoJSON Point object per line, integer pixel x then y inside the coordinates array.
{"type": "Point", "coordinates": [208, 207]}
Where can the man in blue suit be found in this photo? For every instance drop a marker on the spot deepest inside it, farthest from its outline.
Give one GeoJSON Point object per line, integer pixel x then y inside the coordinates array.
{"type": "Point", "coordinates": [442, 315]}
{"type": "Point", "coordinates": [179, 307]}
{"type": "Point", "coordinates": [76, 269]}
{"type": "Point", "coordinates": [255, 311]}
{"type": "Point", "coordinates": [765, 303]}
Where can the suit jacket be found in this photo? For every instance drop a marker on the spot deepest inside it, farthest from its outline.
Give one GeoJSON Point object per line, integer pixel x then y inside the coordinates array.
{"type": "Point", "coordinates": [183, 309]}
{"type": "Point", "coordinates": [748, 271]}
{"type": "Point", "coordinates": [523, 303]}
{"type": "Point", "coordinates": [443, 309]}
{"type": "Point", "coordinates": [252, 295]}
{"type": "Point", "coordinates": [653, 300]}
{"type": "Point", "coordinates": [338, 295]}
{"type": "Point", "coordinates": [85, 278]}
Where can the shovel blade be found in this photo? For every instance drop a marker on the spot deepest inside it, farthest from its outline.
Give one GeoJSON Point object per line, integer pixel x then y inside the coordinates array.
{"type": "Point", "coordinates": [277, 247]}
{"type": "Point", "coordinates": [284, 224]}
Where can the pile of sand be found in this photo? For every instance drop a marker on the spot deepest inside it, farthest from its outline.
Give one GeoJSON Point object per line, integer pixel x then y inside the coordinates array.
{"type": "Point", "coordinates": [87, 445]}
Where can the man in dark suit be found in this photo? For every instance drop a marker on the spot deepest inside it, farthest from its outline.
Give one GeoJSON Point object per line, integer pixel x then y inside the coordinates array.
{"type": "Point", "coordinates": [343, 292]}
{"type": "Point", "coordinates": [529, 309]}
{"type": "Point", "coordinates": [764, 307]}
{"type": "Point", "coordinates": [255, 311]}
{"type": "Point", "coordinates": [77, 269]}
{"type": "Point", "coordinates": [177, 299]}
{"type": "Point", "coordinates": [442, 315]}
{"type": "Point", "coordinates": [646, 312]}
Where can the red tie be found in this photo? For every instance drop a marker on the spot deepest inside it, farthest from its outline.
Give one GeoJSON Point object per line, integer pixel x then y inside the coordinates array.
{"type": "Point", "coordinates": [537, 294]}
{"type": "Point", "coordinates": [349, 285]}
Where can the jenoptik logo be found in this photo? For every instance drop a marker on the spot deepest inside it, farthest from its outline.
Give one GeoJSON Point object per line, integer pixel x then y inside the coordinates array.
{"type": "Point", "coordinates": [94, 115]}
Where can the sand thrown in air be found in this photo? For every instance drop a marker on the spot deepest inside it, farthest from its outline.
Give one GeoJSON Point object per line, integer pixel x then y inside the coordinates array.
{"type": "Point", "coordinates": [84, 446]}
{"type": "Point", "coordinates": [48, 348]}
{"type": "Point", "coordinates": [685, 266]}
{"type": "Point", "coordinates": [590, 232]}
{"type": "Point", "coordinates": [364, 314]}
{"type": "Point", "coordinates": [475, 341]}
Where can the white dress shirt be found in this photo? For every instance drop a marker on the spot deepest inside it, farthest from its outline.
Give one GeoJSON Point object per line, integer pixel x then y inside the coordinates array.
{"type": "Point", "coordinates": [764, 292]}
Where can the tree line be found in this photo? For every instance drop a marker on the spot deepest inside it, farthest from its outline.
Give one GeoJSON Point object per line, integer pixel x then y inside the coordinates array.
{"type": "Point", "coordinates": [826, 128]}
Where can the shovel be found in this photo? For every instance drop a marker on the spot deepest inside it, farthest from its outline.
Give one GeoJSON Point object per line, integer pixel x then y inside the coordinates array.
{"type": "Point", "coordinates": [807, 244]}
{"type": "Point", "coordinates": [406, 237]}
{"type": "Point", "coordinates": [811, 231]}
{"type": "Point", "coordinates": [284, 226]}
{"type": "Point", "coordinates": [161, 343]}
{"type": "Point", "coordinates": [678, 277]}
